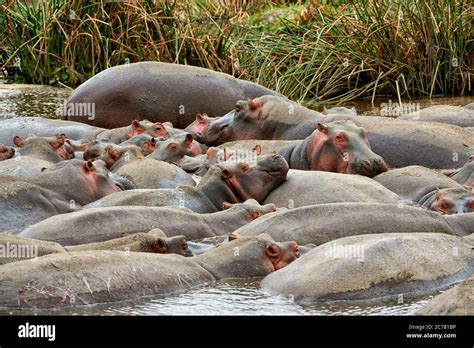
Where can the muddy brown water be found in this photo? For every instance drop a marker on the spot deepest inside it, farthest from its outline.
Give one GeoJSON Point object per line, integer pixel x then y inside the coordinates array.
{"type": "Point", "coordinates": [242, 297]}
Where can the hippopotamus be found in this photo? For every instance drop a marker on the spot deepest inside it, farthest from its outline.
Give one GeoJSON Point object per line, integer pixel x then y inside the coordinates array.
{"type": "Point", "coordinates": [428, 188]}
{"type": "Point", "coordinates": [25, 201]}
{"type": "Point", "coordinates": [44, 127]}
{"type": "Point", "coordinates": [399, 142]}
{"type": "Point", "coordinates": [232, 182]}
{"type": "Point", "coordinates": [21, 248]}
{"type": "Point", "coordinates": [457, 115]}
{"type": "Point", "coordinates": [340, 110]}
{"type": "Point", "coordinates": [101, 224]}
{"type": "Point", "coordinates": [115, 156]}
{"type": "Point", "coordinates": [321, 223]}
{"type": "Point", "coordinates": [51, 149]}
{"type": "Point", "coordinates": [23, 166]}
{"type": "Point", "coordinates": [148, 173]}
{"type": "Point", "coordinates": [135, 127]}
{"type": "Point", "coordinates": [469, 106]}
{"type": "Point", "coordinates": [459, 300]}
{"type": "Point", "coordinates": [6, 152]}
{"type": "Point", "coordinates": [267, 117]}
{"type": "Point", "coordinates": [103, 276]}
{"type": "Point", "coordinates": [200, 124]}
{"type": "Point", "coordinates": [338, 146]}
{"type": "Point", "coordinates": [315, 187]}
{"type": "Point", "coordinates": [465, 175]}
{"type": "Point", "coordinates": [374, 266]}
{"type": "Point", "coordinates": [174, 149]}
{"type": "Point", "coordinates": [158, 92]}
{"type": "Point", "coordinates": [145, 142]}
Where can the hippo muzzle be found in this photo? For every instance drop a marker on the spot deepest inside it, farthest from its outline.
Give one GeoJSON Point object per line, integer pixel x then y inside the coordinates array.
{"type": "Point", "coordinates": [368, 167]}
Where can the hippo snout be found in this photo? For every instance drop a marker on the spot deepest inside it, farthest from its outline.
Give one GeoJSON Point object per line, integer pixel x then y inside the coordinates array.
{"type": "Point", "coordinates": [369, 167]}
{"type": "Point", "coordinates": [274, 163]}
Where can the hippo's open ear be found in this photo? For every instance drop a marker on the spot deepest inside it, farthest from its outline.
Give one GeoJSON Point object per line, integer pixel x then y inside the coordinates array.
{"type": "Point", "coordinates": [188, 141]}
{"type": "Point", "coordinates": [18, 141]}
{"type": "Point", "coordinates": [254, 214]}
{"type": "Point", "coordinates": [272, 250]}
{"type": "Point", "coordinates": [200, 119]}
{"type": "Point", "coordinates": [471, 158]}
{"type": "Point", "coordinates": [88, 166]}
{"type": "Point", "coordinates": [226, 174]}
{"type": "Point", "coordinates": [270, 207]}
{"type": "Point", "coordinates": [60, 139]}
{"type": "Point", "coordinates": [257, 149]}
{"type": "Point", "coordinates": [322, 128]}
{"type": "Point", "coordinates": [226, 205]}
{"type": "Point", "coordinates": [113, 153]}
{"type": "Point", "coordinates": [254, 105]}
{"type": "Point", "coordinates": [245, 167]}
{"type": "Point", "coordinates": [232, 236]}
{"type": "Point", "coordinates": [136, 124]}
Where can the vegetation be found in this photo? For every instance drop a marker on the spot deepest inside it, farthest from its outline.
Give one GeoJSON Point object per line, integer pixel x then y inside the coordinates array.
{"type": "Point", "coordinates": [311, 51]}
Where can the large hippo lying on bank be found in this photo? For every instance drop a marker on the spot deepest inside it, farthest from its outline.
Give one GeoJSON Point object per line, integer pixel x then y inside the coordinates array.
{"type": "Point", "coordinates": [457, 115]}
{"type": "Point", "coordinates": [93, 277]}
{"type": "Point", "coordinates": [315, 187]}
{"type": "Point", "coordinates": [429, 189]}
{"type": "Point", "coordinates": [399, 142]}
{"type": "Point", "coordinates": [100, 224]}
{"type": "Point", "coordinates": [158, 92]}
{"type": "Point", "coordinates": [322, 223]}
{"type": "Point", "coordinates": [465, 175]}
{"type": "Point", "coordinates": [375, 265]}
{"type": "Point", "coordinates": [44, 127]}
{"type": "Point", "coordinates": [25, 201]}
{"type": "Point", "coordinates": [232, 182]}
{"type": "Point", "coordinates": [51, 149]}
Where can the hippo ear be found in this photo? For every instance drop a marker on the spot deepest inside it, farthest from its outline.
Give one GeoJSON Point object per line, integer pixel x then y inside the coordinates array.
{"type": "Point", "coordinates": [272, 250]}
{"type": "Point", "coordinates": [188, 140]}
{"type": "Point", "coordinates": [160, 246]}
{"type": "Point", "coordinates": [471, 158]}
{"type": "Point", "coordinates": [136, 124]}
{"type": "Point", "coordinates": [322, 128]}
{"type": "Point", "coordinates": [200, 119]}
{"type": "Point", "coordinates": [257, 149]}
{"type": "Point", "coordinates": [18, 141]}
{"type": "Point", "coordinates": [233, 236]}
{"type": "Point", "coordinates": [113, 153]}
{"type": "Point", "coordinates": [254, 214]}
{"type": "Point", "coordinates": [226, 174]}
{"type": "Point", "coordinates": [226, 205]}
{"type": "Point", "coordinates": [43, 169]}
{"type": "Point", "coordinates": [245, 167]}
{"type": "Point", "coordinates": [254, 105]}
{"type": "Point", "coordinates": [270, 207]}
{"type": "Point", "coordinates": [211, 153]}
{"type": "Point", "coordinates": [89, 166]}
{"type": "Point", "coordinates": [153, 141]}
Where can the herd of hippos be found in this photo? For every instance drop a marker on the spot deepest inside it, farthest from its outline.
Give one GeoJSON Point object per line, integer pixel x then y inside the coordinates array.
{"type": "Point", "coordinates": [183, 176]}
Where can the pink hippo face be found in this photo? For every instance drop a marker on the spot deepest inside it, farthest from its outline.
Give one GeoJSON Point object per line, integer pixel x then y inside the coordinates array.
{"type": "Point", "coordinates": [156, 129]}
{"type": "Point", "coordinates": [47, 145]}
{"type": "Point", "coordinates": [453, 201]}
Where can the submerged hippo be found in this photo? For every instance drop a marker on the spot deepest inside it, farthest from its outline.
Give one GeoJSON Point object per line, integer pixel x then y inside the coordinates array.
{"type": "Point", "coordinates": [322, 223]}
{"type": "Point", "coordinates": [135, 128]}
{"type": "Point", "coordinates": [374, 265]}
{"type": "Point", "coordinates": [315, 187]}
{"type": "Point", "coordinates": [93, 277]}
{"type": "Point", "coordinates": [233, 182]}
{"type": "Point", "coordinates": [429, 189]}
{"type": "Point", "coordinates": [267, 117]}
{"type": "Point", "coordinates": [44, 127]}
{"type": "Point", "coordinates": [159, 92]}
{"type": "Point", "coordinates": [457, 115]}
{"type": "Point", "coordinates": [101, 224]}
{"type": "Point", "coordinates": [25, 201]}
{"type": "Point", "coordinates": [51, 149]}
{"type": "Point", "coordinates": [459, 300]}
{"type": "Point", "coordinates": [340, 147]}
{"type": "Point", "coordinates": [465, 175]}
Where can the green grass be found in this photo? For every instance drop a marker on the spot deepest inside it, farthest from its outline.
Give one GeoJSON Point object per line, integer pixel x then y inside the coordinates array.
{"type": "Point", "coordinates": [311, 51]}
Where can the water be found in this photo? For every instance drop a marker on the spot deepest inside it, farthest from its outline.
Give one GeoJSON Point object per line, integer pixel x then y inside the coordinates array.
{"type": "Point", "coordinates": [242, 297]}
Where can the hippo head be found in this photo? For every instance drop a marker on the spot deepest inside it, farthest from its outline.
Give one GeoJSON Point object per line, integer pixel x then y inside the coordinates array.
{"type": "Point", "coordinates": [255, 180]}
{"type": "Point", "coordinates": [97, 179]}
{"type": "Point", "coordinates": [200, 124]}
{"type": "Point", "coordinates": [174, 149]}
{"type": "Point", "coordinates": [113, 154]}
{"type": "Point", "coordinates": [52, 148]}
{"type": "Point", "coordinates": [453, 201]}
{"type": "Point", "coordinates": [172, 245]}
{"type": "Point", "coordinates": [252, 208]}
{"type": "Point", "coordinates": [342, 147]}
{"type": "Point", "coordinates": [220, 130]}
{"type": "Point", "coordinates": [465, 175]}
{"type": "Point", "coordinates": [6, 152]}
{"type": "Point", "coordinates": [146, 142]}
{"type": "Point", "coordinates": [248, 256]}
{"type": "Point", "coordinates": [340, 110]}
{"type": "Point", "coordinates": [95, 150]}
{"type": "Point", "coordinates": [156, 129]}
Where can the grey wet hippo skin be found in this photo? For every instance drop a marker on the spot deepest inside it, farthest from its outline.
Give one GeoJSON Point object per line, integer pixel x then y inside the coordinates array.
{"type": "Point", "coordinates": [101, 224]}
{"type": "Point", "coordinates": [148, 173]}
{"type": "Point", "coordinates": [267, 117]}
{"type": "Point", "coordinates": [315, 187]}
{"type": "Point", "coordinates": [339, 146]}
{"type": "Point", "coordinates": [44, 127]}
{"type": "Point", "coordinates": [456, 115]}
{"type": "Point", "coordinates": [94, 277]}
{"type": "Point", "coordinates": [16, 248]}
{"type": "Point", "coordinates": [371, 266]}
{"type": "Point", "coordinates": [429, 189]}
{"type": "Point", "coordinates": [23, 166]}
{"type": "Point", "coordinates": [25, 201]}
{"type": "Point", "coordinates": [232, 182]}
{"type": "Point", "coordinates": [465, 175]}
{"type": "Point", "coordinates": [160, 92]}
{"type": "Point", "coordinates": [322, 223]}
{"type": "Point", "coordinates": [403, 143]}
{"type": "Point", "coordinates": [458, 300]}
